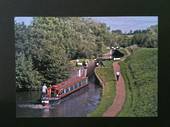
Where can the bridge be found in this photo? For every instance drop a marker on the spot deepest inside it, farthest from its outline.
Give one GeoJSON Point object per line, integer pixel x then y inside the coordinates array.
{"type": "Point", "coordinates": [113, 54]}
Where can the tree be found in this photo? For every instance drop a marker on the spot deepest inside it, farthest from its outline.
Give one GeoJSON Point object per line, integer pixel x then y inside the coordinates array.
{"type": "Point", "coordinates": [26, 77]}
{"type": "Point", "coordinates": [146, 38]}
{"type": "Point", "coordinates": [117, 31]}
{"type": "Point", "coordinates": [39, 54]}
{"type": "Point", "coordinates": [44, 48]}
{"type": "Point", "coordinates": [49, 55]}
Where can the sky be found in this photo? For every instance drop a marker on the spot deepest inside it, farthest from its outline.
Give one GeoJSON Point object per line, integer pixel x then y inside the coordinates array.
{"type": "Point", "coordinates": [123, 23]}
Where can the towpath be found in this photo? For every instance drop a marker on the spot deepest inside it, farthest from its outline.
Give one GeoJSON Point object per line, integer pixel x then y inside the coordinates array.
{"type": "Point", "coordinates": [120, 96]}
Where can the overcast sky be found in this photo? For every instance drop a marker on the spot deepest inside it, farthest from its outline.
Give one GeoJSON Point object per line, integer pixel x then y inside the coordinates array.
{"type": "Point", "coordinates": [124, 23]}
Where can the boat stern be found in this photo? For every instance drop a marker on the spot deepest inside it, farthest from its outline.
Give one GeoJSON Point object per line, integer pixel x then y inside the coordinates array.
{"type": "Point", "coordinates": [45, 101]}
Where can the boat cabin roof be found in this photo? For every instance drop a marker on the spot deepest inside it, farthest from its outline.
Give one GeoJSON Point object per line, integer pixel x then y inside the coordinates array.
{"type": "Point", "coordinates": [67, 83]}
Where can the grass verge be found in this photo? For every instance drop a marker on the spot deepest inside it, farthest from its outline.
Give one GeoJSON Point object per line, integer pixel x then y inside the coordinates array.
{"type": "Point", "coordinates": [140, 74]}
{"type": "Point", "coordinates": [107, 76]}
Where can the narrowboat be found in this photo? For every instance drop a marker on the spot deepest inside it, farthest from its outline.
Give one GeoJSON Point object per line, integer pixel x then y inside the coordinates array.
{"type": "Point", "coordinates": [58, 91]}
{"type": "Point", "coordinates": [45, 100]}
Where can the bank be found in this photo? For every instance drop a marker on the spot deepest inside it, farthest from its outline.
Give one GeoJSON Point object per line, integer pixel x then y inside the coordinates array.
{"type": "Point", "coordinates": [140, 74]}
{"type": "Point", "coordinates": [106, 79]}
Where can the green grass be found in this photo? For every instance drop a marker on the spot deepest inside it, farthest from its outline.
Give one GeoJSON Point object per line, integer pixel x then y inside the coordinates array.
{"type": "Point", "coordinates": [106, 74]}
{"type": "Point", "coordinates": [108, 64]}
{"type": "Point", "coordinates": [122, 50]}
{"type": "Point", "coordinates": [105, 50]}
{"type": "Point", "coordinates": [140, 74]}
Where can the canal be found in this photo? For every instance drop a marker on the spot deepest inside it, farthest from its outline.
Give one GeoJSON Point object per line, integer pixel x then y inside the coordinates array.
{"type": "Point", "coordinates": [78, 104]}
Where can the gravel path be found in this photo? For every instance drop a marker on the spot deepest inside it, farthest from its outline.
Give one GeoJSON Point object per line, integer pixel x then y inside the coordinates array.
{"type": "Point", "coordinates": [120, 96]}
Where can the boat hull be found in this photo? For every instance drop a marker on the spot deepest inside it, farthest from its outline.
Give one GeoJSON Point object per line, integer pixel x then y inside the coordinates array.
{"type": "Point", "coordinates": [60, 97]}
{"type": "Point", "coordinates": [44, 100]}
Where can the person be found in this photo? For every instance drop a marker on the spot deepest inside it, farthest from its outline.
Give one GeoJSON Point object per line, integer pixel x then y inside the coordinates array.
{"type": "Point", "coordinates": [77, 62]}
{"type": "Point", "coordinates": [117, 75]}
{"type": "Point", "coordinates": [84, 63]}
{"type": "Point", "coordinates": [101, 63]}
{"type": "Point", "coordinates": [44, 90]}
{"type": "Point", "coordinates": [97, 64]}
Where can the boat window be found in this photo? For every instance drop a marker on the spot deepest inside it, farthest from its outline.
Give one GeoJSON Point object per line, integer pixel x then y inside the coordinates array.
{"type": "Point", "coordinates": [61, 92]}
{"type": "Point", "coordinates": [82, 83]}
{"type": "Point", "coordinates": [67, 90]}
{"type": "Point", "coordinates": [78, 84]}
{"type": "Point", "coordinates": [64, 90]}
{"type": "Point", "coordinates": [71, 88]}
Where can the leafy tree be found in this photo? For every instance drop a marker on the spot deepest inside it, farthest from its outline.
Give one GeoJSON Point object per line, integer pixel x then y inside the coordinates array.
{"type": "Point", "coordinates": [26, 76]}
{"type": "Point", "coordinates": [48, 52]}
{"type": "Point", "coordinates": [45, 47]}
{"type": "Point", "coordinates": [146, 38]}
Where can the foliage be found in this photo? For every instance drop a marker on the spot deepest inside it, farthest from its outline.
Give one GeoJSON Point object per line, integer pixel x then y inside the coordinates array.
{"type": "Point", "coordinates": [143, 38]}
{"type": "Point", "coordinates": [146, 38]}
{"type": "Point", "coordinates": [140, 74]}
{"type": "Point", "coordinates": [43, 60]}
{"type": "Point", "coordinates": [49, 43]}
{"type": "Point", "coordinates": [26, 76]}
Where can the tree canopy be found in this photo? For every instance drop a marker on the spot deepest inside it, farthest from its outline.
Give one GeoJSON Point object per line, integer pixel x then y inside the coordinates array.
{"type": "Point", "coordinates": [44, 48]}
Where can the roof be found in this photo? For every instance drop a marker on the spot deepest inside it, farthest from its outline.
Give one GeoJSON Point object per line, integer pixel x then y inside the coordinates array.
{"type": "Point", "coordinates": [69, 82]}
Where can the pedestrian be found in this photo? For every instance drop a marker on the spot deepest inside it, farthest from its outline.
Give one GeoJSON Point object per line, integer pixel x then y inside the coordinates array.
{"type": "Point", "coordinates": [101, 63]}
{"type": "Point", "coordinates": [77, 61]}
{"type": "Point", "coordinates": [84, 64]}
{"type": "Point", "coordinates": [117, 75]}
{"type": "Point", "coordinates": [44, 90]}
{"type": "Point", "coordinates": [97, 64]}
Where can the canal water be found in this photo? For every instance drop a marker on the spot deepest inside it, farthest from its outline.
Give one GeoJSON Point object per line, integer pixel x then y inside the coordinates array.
{"type": "Point", "coordinates": [77, 104]}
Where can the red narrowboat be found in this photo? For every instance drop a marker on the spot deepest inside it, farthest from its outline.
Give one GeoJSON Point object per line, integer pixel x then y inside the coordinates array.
{"type": "Point", "coordinates": [67, 87]}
